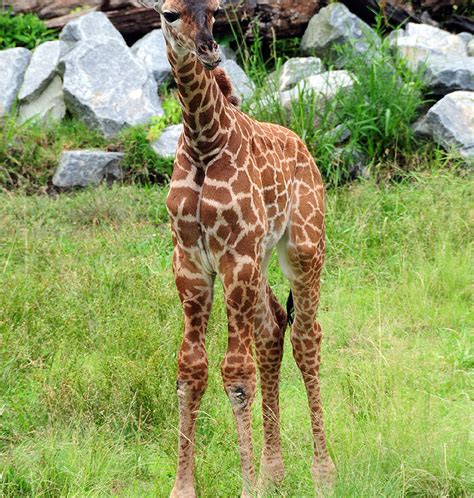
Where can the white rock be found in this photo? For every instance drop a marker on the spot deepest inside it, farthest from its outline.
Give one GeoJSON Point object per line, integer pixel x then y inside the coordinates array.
{"type": "Point", "coordinates": [297, 69]}
{"type": "Point", "coordinates": [440, 55]}
{"type": "Point", "coordinates": [466, 37]}
{"type": "Point", "coordinates": [419, 41]}
{"type": "Point", "coordinates": [42, 69]}
{"type": "Point", "coordinates": [87, 167]}
{"type": "Point", "coordinates": [167, 143]}
{"type": "Point", "coordinates": [151, 51]}
{"type": "Point", "coordinates": [243, 86]}
{"type": "Point", "coordinates": [470, 48]}
{"type": "Point", "coordinates": [13, 64]}
{"type": "Point", "coordinates": [48, 105]}
{"type": "Point", "coordinates": [107, 88]}
{"type": "Point", "coordinates": [436, 39]}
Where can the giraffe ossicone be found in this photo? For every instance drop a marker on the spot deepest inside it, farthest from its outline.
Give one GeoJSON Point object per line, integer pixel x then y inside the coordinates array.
{"type": "Point", "coordinates": [239, 190]}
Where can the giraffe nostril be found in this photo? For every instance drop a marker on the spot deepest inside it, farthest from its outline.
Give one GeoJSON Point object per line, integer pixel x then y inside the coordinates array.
{"type": "Point", "coordinates": [203, 48]}
{"type": "Point", "coordinates": [207, 47]}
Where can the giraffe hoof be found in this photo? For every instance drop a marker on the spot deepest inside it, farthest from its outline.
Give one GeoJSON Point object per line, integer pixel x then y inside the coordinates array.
{"type": "Point", "coordinates": [272, 472]}
{"type": "Point", "coordinates": [187, 492]}
{"type": "Point", "coordinates": [324, 474]}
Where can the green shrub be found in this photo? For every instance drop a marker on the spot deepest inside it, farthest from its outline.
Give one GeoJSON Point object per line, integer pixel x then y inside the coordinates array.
{"type": "Point", "coordinates": [172, 116]}
{"type": "Point", "coordinates": [383, 103]}
{"type": "Point", "coordinates": [23, 30]}
{"type": "Point", "coordinates": [140, 159]}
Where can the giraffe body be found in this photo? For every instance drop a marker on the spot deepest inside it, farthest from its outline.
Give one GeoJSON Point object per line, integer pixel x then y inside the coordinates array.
{"type": "Point", "coordinates": [239, 190]}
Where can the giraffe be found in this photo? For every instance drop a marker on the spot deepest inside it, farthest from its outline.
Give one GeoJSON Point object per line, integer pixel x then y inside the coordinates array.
{"type": "Point", "coordinates": [240, 189]}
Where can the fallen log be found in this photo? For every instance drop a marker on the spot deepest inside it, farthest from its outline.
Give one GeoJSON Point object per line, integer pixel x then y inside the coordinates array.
{"type": "Point", "coordinates": [279, 18]}
{"type": "Point", "coordinates": [274, 18]}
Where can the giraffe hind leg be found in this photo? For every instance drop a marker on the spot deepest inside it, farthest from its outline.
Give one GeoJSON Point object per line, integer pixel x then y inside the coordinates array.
{"type": "Point", "coordinates": [302, 264]}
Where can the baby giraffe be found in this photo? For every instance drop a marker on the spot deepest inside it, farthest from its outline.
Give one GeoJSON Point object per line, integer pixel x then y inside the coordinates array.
{"type": "Point", "coordinates": [240, 189]}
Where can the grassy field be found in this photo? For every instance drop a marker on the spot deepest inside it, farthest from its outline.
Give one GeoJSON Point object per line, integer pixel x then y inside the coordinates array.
{"type": "Point", "coordinates": [90, 325]}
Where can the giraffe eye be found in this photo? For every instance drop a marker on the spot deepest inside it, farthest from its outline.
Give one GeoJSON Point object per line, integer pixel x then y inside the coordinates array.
{"type": "Point", "coordinates": [171, 16]}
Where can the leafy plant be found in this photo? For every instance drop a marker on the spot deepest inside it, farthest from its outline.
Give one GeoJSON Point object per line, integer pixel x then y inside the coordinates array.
{"type": "Point", "coordinates": [172, 116]}
{"type": "Point", "coordinates": [23, 30]}
{"type": "Point", "coordinates": [383, 103]}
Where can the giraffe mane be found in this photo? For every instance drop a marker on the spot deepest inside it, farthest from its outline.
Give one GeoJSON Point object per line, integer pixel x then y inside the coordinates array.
{"type": "Point", "coordinates": [225, 86]}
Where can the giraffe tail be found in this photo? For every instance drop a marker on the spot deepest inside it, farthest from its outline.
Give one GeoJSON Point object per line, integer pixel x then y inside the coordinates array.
{"type": "Point", "coordinates": [290, 309]}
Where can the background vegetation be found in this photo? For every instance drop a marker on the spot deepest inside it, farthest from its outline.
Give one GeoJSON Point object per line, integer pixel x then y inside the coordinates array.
{"type": "Point", "coordinates": [379, 111]}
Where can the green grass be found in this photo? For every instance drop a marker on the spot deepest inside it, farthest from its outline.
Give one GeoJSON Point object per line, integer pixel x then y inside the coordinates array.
{"type": "Point", "coordinates": [91, 324]}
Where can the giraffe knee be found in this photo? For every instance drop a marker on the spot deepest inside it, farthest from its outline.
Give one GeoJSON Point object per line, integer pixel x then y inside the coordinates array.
{"type": "Point", "coordinates": [240, 381]}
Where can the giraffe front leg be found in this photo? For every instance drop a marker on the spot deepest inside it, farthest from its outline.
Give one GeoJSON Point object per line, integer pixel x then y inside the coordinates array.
{"type": "Point", "coordinates": [195, 288]}
{"type": "Point", "coordinates": [238, 368]}
{"type": "Point", "coordinates": [270, 325]}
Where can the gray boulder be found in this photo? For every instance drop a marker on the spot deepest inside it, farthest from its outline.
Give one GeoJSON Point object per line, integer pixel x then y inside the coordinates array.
{"type": "Point", "coordinates": [450, 123]}
{"type": "Point", "coordinates": [167, 144]}
{"type": "Point", "coordinates": [336, 25]}
{"type": "Point", "coordinates": [243, 86]}
{"type": "Point", "coordinates": [92, 26]}
{"type": "Point", "coordinates": [227, 53]}
{"type": "Point", "coordinates": [340, 134]}
{"type": "Point", "coordinates": [13, 64]}
{"type": "Point", "coordinates": [87, 167]}
{"type": "Point", "coordinates": [297, 69]}
{"type": "Point", "coordinates": [42, 69]}
{"type": "Point", "coordinates": [107, 88]}
{"type": "Point", "coordinates": [151, 52]}
{"type": "Point", "coordinates": [446, 74]}
{"type": "Point", "coordinates": [48, 105]}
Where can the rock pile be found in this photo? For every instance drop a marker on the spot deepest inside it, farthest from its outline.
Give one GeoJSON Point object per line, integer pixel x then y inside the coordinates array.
{"type": "Point", "coordinates": [92, 74]}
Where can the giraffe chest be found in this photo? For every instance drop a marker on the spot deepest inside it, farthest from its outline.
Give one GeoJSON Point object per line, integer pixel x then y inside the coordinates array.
{"type": "Point", "coordinates": [216, 212]}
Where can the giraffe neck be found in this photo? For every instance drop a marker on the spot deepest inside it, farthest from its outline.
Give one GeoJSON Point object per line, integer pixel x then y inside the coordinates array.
{"type": "Point", "coordinates": [205, 109]}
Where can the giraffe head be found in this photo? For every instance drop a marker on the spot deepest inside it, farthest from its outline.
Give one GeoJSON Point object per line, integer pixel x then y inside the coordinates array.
{"type": "Point", "coordinates": [187, 26]}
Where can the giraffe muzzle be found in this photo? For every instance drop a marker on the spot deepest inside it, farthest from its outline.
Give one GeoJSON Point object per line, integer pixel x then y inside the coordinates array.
{"type": "Point", "coordinates": [208, 53]}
